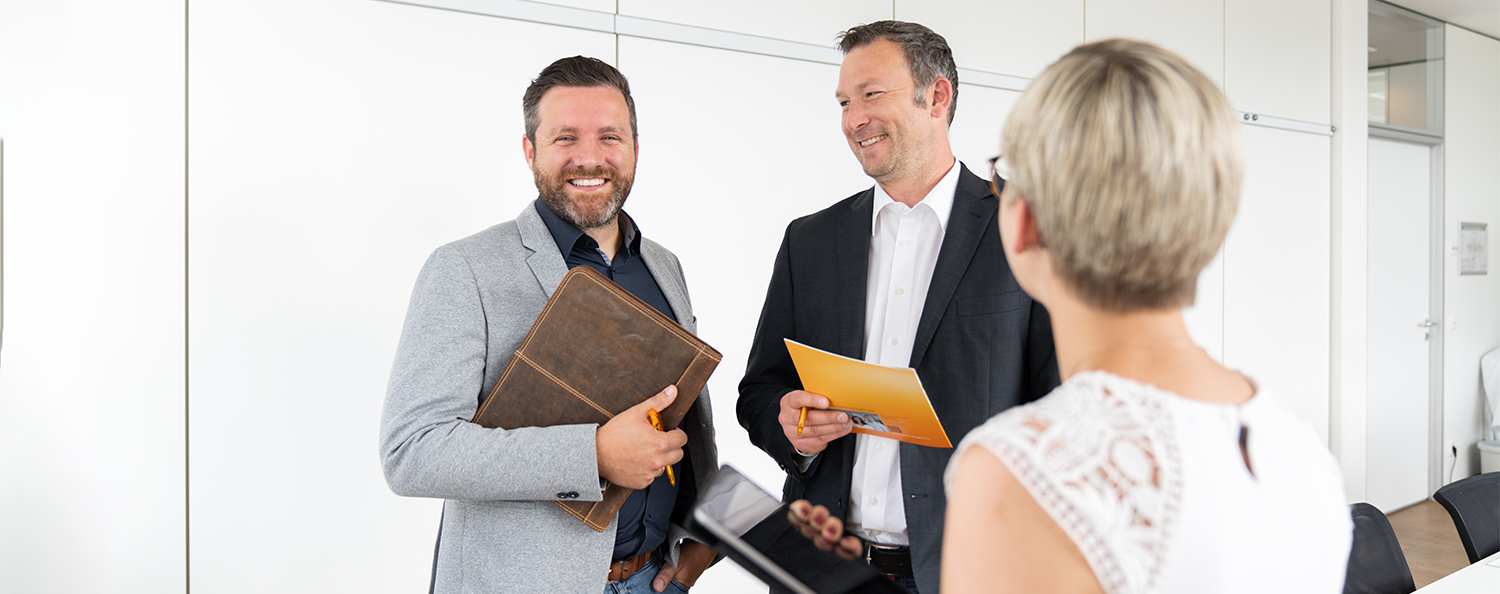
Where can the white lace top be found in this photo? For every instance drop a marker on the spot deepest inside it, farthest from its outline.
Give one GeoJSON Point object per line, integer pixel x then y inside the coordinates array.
{"type": "Point", "coordinates": [1154, 490]}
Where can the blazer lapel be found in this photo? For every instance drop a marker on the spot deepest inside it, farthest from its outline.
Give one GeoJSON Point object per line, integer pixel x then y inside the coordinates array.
{"type": "Point", "coordinates": [852, 271]}
{"type": "Point", "coordinates": [546, 261]}
{"type": "Point", "coordinates": [974, 209]}
{"type": "Point", "coordinates": [658, 262]}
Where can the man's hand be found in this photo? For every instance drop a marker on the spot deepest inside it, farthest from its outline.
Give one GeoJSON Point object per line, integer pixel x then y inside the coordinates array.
{"type": "Point", "coordinates": [631, 452]}
{"type": "Point", "coordinates": [692, 558]}
{"type": "Point", "coordinates": [826, 531]}
{"type": "Point", "coordinates": [822, 425]}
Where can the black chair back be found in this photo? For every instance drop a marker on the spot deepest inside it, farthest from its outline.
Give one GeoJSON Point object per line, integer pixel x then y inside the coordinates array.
{"type": "Point", "coordinates": [1474, 504]}
{"type": "Point", "coordinates": [1376, 564]}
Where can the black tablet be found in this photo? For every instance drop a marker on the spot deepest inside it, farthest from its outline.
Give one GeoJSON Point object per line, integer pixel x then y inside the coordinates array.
{"type": "Point", "coordinates": [749, 525]}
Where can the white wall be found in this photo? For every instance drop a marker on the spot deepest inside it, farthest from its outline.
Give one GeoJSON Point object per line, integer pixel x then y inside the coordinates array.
{"type": "Point", "coordinates": [332, 144]}
{"type": "Point", "coordinates": [92, 371]}
{"type": "Point", "coordinates": [1471, 176]}
{"type": "Point", "coordinates": [330, 154]}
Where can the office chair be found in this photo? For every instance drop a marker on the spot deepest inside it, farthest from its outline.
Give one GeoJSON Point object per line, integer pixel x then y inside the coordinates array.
{"type": "Point", "coordinates": [1376, 564]}
{"type": "Point", "coordinates": [1474, 504]}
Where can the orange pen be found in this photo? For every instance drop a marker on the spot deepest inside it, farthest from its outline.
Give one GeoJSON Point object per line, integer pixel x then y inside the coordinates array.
{"type": "Point", "coordinates": [801, 420]}
{"type": "Point", "coordinates": [656, 422]}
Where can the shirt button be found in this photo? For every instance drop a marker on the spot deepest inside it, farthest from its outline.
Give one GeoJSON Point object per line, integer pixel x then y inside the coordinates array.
{"type": "Point", "coordinates": [874, 533]}
{"type": "Point", "coordinates": [900, 291]}
{"type": "Point", "coordinates": [906, 242]}
{"type": "Point", "coordinates": [894, 342]}
{"type": "Point", "coordinates": [880, 447]}
{"type": "Point", "coordinates": [874, 501]}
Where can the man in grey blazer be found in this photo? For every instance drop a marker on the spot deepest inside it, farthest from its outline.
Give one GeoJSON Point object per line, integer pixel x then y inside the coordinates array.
{"type": "Point", "coordinates": [474, 302]}
{"type": "Point", "coordinates": [909, 273]}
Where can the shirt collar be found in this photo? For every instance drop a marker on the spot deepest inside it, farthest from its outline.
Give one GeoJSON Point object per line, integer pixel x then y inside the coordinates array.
{"type": "Point", "coordinates": [939, 199]}
{"type": "Point", "coordinates": [567, 236]}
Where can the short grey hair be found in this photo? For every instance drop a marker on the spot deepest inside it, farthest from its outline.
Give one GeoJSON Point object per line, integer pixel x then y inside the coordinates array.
{"type": "Point", "coordinates": [927, 54]}
{"type": "Point", "coordinates": [577, 71]}
{"type": "Point", "coordinates": [1130, 160]}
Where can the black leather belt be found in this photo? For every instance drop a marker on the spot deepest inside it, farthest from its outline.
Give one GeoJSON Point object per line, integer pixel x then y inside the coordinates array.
{"type": "Point", "coordinates": [888, 559]}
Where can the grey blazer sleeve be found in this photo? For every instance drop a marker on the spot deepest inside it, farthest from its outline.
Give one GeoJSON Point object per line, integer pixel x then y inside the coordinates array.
{"type": "Point", "coordinates": [428, 448]}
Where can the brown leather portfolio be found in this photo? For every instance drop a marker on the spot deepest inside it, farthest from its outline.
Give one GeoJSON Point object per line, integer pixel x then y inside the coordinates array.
{"type": "Point", "coordinates": [595, 351]}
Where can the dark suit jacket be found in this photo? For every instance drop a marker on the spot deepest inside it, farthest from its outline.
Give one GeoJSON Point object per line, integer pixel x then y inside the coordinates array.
{"type": "Point", "coordinates": [982, 346]}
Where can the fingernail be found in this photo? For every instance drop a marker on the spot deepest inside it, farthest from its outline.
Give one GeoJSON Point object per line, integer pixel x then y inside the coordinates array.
{"type": "Point", "coordinates": [823, 403]}
{"type": "Point", "coordinates": [843, 418]}
{"type": "Point", "coordinates": [671, 390]}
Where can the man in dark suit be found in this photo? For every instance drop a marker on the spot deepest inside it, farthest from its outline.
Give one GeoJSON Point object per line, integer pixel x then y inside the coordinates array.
{"type": "Point", "coordinates": [909, 273]}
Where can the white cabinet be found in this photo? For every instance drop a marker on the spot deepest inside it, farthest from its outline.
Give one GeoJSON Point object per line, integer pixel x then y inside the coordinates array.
{"type": "Point", "coordinates": [1276, 272]}
{"type": "Point", "coordinates": [1192, 28]}
{"type": "Point", "coordinates": [1013, 37]}
{"type": "Point", "coordinates": [1278, 58]}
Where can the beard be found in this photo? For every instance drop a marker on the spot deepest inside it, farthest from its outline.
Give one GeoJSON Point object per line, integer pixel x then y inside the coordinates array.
{"type": "Point", "coordinates": [585, 212]}
{"type": "Point", "coordinates": [898, 162]}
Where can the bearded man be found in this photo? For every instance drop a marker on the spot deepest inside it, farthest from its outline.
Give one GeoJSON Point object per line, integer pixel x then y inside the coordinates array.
{"type": "Point", "coordinates": [474, 302]}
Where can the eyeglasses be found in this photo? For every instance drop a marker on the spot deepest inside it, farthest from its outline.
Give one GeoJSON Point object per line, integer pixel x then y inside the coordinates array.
{"type": "Point", "coordinates": [999, 171]}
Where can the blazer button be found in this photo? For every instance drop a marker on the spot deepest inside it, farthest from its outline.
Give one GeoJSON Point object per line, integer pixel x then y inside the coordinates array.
{"type": "Point", "coordinates": [572, 494]}
{"type": "Point", "coordinates": [562, 495]}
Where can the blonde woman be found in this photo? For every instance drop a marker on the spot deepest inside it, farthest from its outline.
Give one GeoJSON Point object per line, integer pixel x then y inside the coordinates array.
{"type": "Point", "coordinates": [1152, 468]}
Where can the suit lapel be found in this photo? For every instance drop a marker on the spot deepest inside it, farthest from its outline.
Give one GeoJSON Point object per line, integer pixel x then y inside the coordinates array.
{"type": "Point", "coordinates": [852, 270]}
{"type": "Point", "coordinates": [672, 285]}
{"type": "Point", "coordinates": [546, 261]}
{"type": "Point", "coordinates": [974, 209]}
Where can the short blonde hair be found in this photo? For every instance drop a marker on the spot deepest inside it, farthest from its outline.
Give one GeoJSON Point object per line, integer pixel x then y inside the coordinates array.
{"type": "Point", "coordinates": [1130, 161]}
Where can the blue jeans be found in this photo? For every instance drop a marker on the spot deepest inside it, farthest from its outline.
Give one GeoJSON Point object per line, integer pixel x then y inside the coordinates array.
{"type": "Point", "coordinates": [640, 581]}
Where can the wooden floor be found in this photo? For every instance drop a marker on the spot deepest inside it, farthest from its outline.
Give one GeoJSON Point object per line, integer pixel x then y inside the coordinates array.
{"type": "Point", "coordinates": [1429, 541]}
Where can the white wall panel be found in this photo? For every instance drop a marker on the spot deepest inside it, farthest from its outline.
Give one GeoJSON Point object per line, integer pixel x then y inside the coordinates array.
{"type": "Point", "coordinates": [1277, 57]}
{"type": "Point", "coordinates": [1472, 174]}
{"type": "Point", "coordinates": [1013, 37]}
{"type": "Point", "coordinates": [334, 145]}
{"type": "Point", "coordinates": [1193, 28]}
{"type": "Point", "coordinates": [91, 379]}
{"type": "Point", "coordinates": [975, 133]}
{"type": "Point", "coordinates": [1276, 272]}
{"type": "Point", "coordinates": [793, 20]}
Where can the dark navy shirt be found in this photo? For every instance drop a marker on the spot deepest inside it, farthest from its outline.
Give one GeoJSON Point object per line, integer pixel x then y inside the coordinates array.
{"type": "Point", "coordinates": [647, 512]}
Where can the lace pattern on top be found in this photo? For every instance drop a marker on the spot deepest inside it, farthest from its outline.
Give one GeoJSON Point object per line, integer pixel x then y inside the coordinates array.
{"type": "Point", "coordinates": [1099, 456]}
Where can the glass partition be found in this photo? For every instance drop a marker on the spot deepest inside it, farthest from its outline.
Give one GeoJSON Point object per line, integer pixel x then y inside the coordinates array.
{"type": "Point", "coordinates": [1405, 70]}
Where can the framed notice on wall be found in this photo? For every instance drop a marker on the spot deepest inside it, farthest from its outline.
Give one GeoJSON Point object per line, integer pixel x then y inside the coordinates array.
{"type": "Point", "coordinates": [1473, 248]}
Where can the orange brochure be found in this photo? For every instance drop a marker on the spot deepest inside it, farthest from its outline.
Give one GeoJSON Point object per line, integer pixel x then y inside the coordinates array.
{"type": "Point", "coordinates": [884, 401]}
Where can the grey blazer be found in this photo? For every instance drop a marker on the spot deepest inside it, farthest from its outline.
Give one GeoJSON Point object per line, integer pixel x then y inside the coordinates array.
{"type": "Point", "coordinates": [474, 301]}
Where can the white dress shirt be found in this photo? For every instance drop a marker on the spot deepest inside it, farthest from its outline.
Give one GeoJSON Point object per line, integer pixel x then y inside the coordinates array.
{"type": "Point", "coordinates": [904, 244]}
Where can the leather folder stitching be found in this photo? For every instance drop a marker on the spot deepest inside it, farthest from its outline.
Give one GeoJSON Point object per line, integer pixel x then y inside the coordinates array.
{"type": "Point", "coordinates": [585, 519]}
{"type": "Point", "coordinates": [689, 369]}
{"type": "Point", "coordinates": [565, 386]}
